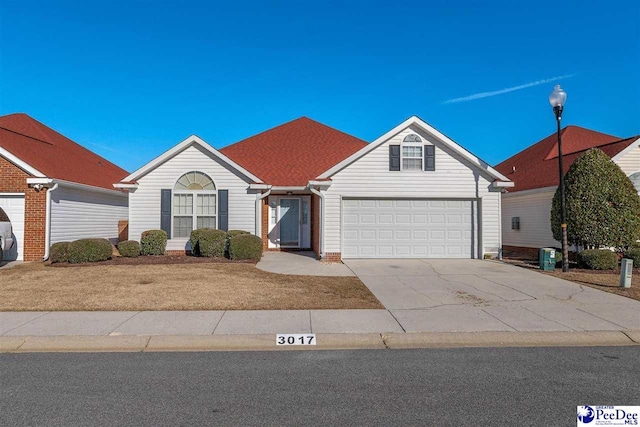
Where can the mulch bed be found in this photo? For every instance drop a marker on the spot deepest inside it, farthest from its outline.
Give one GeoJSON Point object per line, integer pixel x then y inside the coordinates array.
{"type": "Point", "coordinates": [154, 259]}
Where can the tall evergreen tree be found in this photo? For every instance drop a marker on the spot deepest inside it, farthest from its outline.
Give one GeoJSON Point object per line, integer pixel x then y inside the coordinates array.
{"type": "Point", "coordinates": [603, 207]}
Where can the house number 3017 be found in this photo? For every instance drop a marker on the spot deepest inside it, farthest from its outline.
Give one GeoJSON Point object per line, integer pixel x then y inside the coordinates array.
{"type": "Point", "coordinates": [296, 339]}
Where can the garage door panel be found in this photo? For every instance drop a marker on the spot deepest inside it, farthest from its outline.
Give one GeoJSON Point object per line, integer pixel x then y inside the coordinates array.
{"type": "Point", "coordinates": [14, 208]}
{"type": "Point", "coordinates": [407, 228]}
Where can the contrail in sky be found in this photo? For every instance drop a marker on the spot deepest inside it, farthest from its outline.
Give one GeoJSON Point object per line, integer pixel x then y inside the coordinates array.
{"type": "Point", "coordinates": [506, 90]}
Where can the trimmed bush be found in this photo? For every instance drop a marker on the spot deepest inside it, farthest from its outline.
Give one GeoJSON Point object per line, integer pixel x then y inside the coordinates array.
{"type": "Point", "coordinates": [234, 233]}
{"type": "Point", "coordinates": [634, 254]}
{"type": "Point", "coordinates": [89, 250]}
{"type": "Point", "coordinates": [598, 259]}
{"type": "Point", "coordinates": [129, 248]}
{"type": "Point", "coordinates": [59, 252]}
{"type": "Point", "coordinates": [208, 242]}
{"type": "Point", "coordinates": [245, 246]}
{"type": "Point", "coordinates": [153, 242]}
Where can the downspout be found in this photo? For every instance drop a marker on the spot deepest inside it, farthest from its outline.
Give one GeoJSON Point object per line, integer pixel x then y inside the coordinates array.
{"type": "Point", "coordinates": [259, 199]}
{"type": "Point", "coordinates": [47, 231]}
{"type": "Point", "coordinates": [321, 231]}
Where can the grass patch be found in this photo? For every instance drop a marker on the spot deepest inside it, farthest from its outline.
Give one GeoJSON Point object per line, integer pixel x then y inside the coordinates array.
{"type": "Point", "coordinates": [195, 286]}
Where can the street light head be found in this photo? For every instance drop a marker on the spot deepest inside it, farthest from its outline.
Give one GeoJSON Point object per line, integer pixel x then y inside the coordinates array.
{"type": "Point", "coordinates": [558, 97]}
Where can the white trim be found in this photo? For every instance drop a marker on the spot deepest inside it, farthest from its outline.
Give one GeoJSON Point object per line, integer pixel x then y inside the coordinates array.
{"type": "Point", "coordinates": [126, 186]}
{"type": "Point", "coordinates": [47, 231]}
{"type": "Point", "coordinates": [531, 191]}
{"type": "Point", "coordinates": [326, 184]}
{"type": "Point", "coordinates": [259, 205]}
{"type": "Point", "coordinates": [11, 194]}
{"type": "Point", "coordinates": [193, 139]}
{"type": "Point", "coordinates": [321, 195]}
{"type": "Point", "coordinates": [288, 188]}
{"type": "Point", "coordinates": [22, 165]}
{"type": "Point", "coordinates": [414, 120]}
{"type": "Point", "coordinates": [634, 144]}
{"type": "Point", "coordinates": [502, 184]}
{"type": "Point", "coordinates": [259, 187]}
{"type": "Point", "coordinates": [75, 185]}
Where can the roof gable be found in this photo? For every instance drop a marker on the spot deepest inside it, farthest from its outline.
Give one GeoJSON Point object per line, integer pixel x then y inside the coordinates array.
{"type": "Point", "coordinates": [425, 127]}
{"type": "Point", "coordinates": [293, 153]}
{"type": "Point", "coordinates": [43, 152]}
{"type": "Point", "coordinates": [192, 140]}
{"type": "Point", "coordinates": [537, 165]}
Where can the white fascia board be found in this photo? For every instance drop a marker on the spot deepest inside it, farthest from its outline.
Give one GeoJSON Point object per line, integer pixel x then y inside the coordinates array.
{"type": "Point", "coordinates": [74, 185]}
{"type": "Point", "coordinates": [414, 120]}
{"type": "Point", "coordinates": [634, 144]}
{"type": "Point", "coordinates": [193, 139]}
{"type": "Point", "coordinates": [125, 186]}
{"type": "Point", "coordinates": [502, 184]}
{"type": "Point", "coordinates": [259, 186]}
{"type": "Point", "coordinates": [288, 188]}
{"type": "Point", "coordinates": [324, 184]}
{"type": "Point", "coordinates": [531, 191]}
{"type": "Point", "coordinates": [22, 165]}
{"type": "Point", "coordinates": [12, 194]}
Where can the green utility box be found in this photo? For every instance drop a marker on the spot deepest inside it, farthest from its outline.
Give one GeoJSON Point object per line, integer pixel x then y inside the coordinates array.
{"type": "Point", "coordinates": [547, 259]}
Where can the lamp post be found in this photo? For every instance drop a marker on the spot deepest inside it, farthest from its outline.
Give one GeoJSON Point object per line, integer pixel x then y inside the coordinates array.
{"type": "Point", "coordinates": [557, 99]}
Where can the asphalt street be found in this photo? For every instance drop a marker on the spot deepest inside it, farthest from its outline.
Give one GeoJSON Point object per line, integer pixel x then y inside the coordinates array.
{"type": "Point", "coordinates": [480, 386]}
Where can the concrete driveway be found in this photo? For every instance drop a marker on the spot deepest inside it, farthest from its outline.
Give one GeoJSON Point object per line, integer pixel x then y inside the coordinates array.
{"type": "Point", "coordinates": [481, 295]}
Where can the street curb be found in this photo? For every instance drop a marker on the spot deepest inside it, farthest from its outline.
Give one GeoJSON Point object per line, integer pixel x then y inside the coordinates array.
{"type": "Point", "coordinates": [267, 342]}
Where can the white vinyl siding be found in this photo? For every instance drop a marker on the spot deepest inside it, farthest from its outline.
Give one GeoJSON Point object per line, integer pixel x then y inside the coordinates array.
{"type": "Point", "coordinates": [144, 202]}
{"type": "Point", "coordinates": [454, 178]}
{"type": "Point", "coordinates": [630, 162]}
{"type": "Point", "coordinates": [78, 214]}
{"type": "Point", "coordinates": [534, 210]}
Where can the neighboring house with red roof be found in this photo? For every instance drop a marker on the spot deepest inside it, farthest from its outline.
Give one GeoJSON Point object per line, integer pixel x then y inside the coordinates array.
{"type": "Point", "coordinates": [53, 189]}
{"type": "Point", "coordinates": [412, 193]}
{"type": "Point", "coordinates": [526, 208]}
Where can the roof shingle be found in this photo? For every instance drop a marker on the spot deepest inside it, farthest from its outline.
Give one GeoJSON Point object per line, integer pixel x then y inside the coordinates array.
{"type": "Point", "coordinates": [55, 155]}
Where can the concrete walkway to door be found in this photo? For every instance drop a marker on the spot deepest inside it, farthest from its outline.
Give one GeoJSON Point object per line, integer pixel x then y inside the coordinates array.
{"type": "Point", "coordinates": [481, 295]}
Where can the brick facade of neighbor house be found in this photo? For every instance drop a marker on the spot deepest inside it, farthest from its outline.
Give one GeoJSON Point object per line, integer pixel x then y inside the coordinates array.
{"type": "Point", "coordinates": [14, 180]}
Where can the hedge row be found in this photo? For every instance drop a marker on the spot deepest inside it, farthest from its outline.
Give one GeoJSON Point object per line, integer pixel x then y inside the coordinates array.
{"type": "Point", "coordinates": [83, 250]}
{"type": "Point", "coordinates": [598, 259]}
{"type": "Point", "coordinates": [234, 244]}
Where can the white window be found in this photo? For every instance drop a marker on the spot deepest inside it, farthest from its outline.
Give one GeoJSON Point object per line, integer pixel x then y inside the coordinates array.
{"type": "Point", "coordinates": [412, 153]}
{"type": "Point", "coordinates": [194, 202]}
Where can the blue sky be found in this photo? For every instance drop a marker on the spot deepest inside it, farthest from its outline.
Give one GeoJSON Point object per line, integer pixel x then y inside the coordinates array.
{"type": "Point", "coordinates": [130, 79]}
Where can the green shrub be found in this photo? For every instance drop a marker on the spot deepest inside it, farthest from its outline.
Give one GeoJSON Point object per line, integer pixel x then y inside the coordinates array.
{"type": "Point", "coordinates": [245, 246]}
{"type": "Point", "coordinates": [59, 252]}
{"type": "Point", "coordinates": [208, 242]}
{"type": "Point", "coordinates": [558, 255]}
{"type": "Point", "coordinates": [129, 248]}
{"type": "Point", "coordinates": [89, 250]}
{"type": "Point", "coordinates": [234, 233]}
{"type": "Point", "coordinates": [598, 259]}
{"type": "Point", "coordinates": [153, 242]}
{"type": "Point", "coordinates": [634, 254]}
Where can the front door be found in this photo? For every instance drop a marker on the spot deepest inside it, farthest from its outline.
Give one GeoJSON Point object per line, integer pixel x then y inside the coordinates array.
{"type": "Point", "coordinates": [289, 222]}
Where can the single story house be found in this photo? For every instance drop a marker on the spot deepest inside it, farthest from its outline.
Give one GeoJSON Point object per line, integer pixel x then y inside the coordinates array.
{"type": "Point", "coordinates": [411, 193]}
{"type": "Point", "coordinates": [526, 207]}
{"type": "Point", "coordinates": [53, 189]}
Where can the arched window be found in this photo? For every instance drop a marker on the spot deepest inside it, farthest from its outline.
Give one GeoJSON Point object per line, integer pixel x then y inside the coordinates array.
{"type": "Point", "coordinates": [635, 178]}
{"type": "Point", "coordinates": [194, 202]}
{"type": "Point", "coordinates": [412, 152]}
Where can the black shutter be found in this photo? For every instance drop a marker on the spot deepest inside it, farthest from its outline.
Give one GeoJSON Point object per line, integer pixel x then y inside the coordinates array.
{"type": "Point", "coordinates": [429, 158]}
{"type": "Point", "coordinates": [165, 212]}
{"type": "Point", "coordinates": [223, 210]}
{"type": "Point", "coordinates": [394, 157]}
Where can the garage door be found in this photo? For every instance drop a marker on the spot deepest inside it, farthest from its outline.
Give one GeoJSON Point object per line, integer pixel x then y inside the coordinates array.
{"type": "Point", "coordinates": [395, 228]}
{"type": "Point", "coordinates": [14, 208]}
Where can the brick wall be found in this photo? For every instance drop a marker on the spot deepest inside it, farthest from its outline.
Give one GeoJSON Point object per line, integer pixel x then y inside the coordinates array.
{"type": "Point", "coordinates": [265, 223]}
{"type": "Point", "coordinates": [14, 180]}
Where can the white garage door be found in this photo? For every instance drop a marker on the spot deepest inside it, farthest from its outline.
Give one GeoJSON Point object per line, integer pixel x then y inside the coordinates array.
{"type": "Point", "coordinates": [14, 208]}
{"type": "Point", "coordinates": [407, 228]}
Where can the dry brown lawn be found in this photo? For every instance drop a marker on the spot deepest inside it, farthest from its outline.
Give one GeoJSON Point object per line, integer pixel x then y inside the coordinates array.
{"type": "Point", "coordinates": [205, 286]}
{"type": "Point", "coordinates": [607, 281]}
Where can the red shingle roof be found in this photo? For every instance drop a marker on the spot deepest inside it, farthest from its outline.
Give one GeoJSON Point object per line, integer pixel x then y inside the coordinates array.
{"type": "Point", "coordinates": [294, 153]}
{"type": "Point", "coordinates": [55, 155]}
{"type": "Point", "coordinates": [537, 166]}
